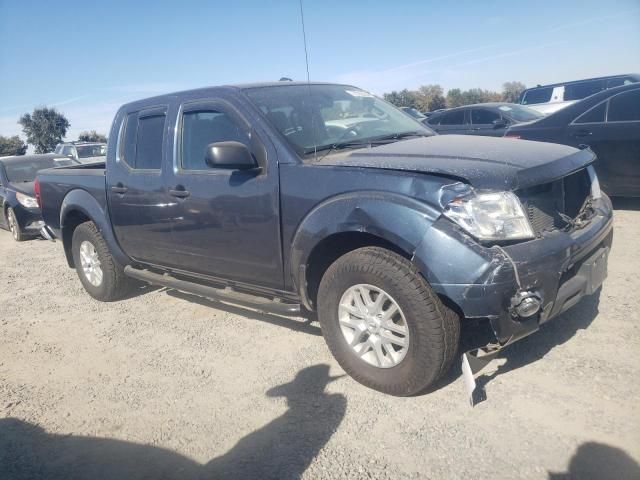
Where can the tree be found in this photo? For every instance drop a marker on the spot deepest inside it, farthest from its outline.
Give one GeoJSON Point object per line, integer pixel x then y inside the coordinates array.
{"type": "Point", "coordinates": [454, 98]}
{"type": "Point", "coordinates": [44, 128]}
{"type": "Point", "coordinates": [92, 136]}
{"type": "Point", "coordinates": [511, 91]}
{"type": "Point", "coordinates": [430, 97]}
{"type": "Point", "coordinates": [12, 146]}
{"type": "Point", "coordinates": [403, 98]}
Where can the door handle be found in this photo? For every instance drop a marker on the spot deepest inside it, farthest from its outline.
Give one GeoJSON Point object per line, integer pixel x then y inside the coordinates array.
{"type": "Point", "coordinates": [582, 133]}
{"type": "Point", "coordinates": [119, 188]}
{"type": "Point", "coordinates": [179, 193]}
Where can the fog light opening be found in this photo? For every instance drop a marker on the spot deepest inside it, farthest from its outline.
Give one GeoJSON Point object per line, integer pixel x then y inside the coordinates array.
{"type": "Point", "coordinates": [526, 304]}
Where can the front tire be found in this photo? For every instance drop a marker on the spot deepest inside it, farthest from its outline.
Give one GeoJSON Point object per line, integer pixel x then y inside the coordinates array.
{"type": "Point", "coordinates": [101, 276]}
{"type": "Point", "coordinates": [384, 324]}
{"type": "Point", "coordinates": [14, 226]}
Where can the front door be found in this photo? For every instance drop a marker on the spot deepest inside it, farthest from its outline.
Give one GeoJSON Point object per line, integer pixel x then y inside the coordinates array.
{"type": "Point", "coordinates": [141, 211]}
{"type": "Point", "coordinates": [228, 225]}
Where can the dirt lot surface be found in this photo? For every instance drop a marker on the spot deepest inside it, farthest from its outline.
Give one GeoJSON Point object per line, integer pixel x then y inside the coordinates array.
{"type": "Point", "coordinates": [165, 386]}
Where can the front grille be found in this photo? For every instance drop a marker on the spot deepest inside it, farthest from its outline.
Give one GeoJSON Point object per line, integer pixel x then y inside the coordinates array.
{"type": "Point", "coordinates": [546, 204]}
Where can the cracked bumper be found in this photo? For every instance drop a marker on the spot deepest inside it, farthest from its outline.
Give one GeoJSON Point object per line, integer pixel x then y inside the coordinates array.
{"type": "Point", "coordinates": [561, 267]}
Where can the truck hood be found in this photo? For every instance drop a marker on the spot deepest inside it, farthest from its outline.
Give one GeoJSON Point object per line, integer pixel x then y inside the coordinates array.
{"type": "Point", "coordinates": [28, 188]}
{"type": "Point", "coordinates": [483, 162]}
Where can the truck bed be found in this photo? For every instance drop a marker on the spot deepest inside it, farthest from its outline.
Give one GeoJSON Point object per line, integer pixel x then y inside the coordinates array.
{"type": "Point", "coordinates": [57, 183]}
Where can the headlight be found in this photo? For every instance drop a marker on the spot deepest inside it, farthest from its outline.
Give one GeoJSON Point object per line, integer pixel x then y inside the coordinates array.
{"type": "Point", "coordinates": [26, 200]}
{"type": "Point", "coordinates": [490, 216]}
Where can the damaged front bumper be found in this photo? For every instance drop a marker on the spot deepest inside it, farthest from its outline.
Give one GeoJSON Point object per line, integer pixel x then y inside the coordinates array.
{"type": "Point", "coordinates": [556, 270]}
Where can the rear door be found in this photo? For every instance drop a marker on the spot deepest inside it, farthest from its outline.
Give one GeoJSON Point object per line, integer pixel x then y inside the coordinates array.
{"type": "Point", "coordinates": [612, 130]}
{"type": "Point", "coordinates": [228, 221]}
{"type": "Point", "coordinates": [482, 122]}
{"type": "Point", "coordinates": [141, 211]}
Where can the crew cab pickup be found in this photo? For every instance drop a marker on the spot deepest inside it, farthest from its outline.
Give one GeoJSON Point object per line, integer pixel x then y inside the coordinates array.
{"type": "Point", "coordinates": [321, 199]}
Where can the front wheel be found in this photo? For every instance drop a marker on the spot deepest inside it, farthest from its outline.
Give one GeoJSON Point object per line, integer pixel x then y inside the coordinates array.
{"type": "Point", "coordinates": [384, 324]}
{"type": "Point", "coordinates": [102, 277]}
{"type": "Point", "coordinates": [14, 226]}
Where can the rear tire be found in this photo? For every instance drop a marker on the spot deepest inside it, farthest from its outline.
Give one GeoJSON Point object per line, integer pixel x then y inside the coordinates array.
{"type": "Point", "coordinates": [102, 277]}
{"type": "Point", "coordinates": [423, 334]}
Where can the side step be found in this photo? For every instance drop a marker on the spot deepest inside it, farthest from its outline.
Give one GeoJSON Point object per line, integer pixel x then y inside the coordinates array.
{"type": "Point", "coordinates": [226, 295]}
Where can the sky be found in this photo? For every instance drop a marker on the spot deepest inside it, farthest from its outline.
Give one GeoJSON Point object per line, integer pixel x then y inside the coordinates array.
{"type": "Point", "coordinates": [88, 58]}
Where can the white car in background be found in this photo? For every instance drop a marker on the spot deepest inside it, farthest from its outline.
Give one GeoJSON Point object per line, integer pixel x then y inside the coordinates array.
{"type": "Point", "coordinates": [551, 98]}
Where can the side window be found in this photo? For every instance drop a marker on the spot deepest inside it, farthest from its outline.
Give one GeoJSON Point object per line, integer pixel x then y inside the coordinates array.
{"type": "Point", "coordinates": [578, 91]}
{"type": "Point", "coordinates": [481, 116]}
{"type": "Point", "coordinates": [537, 95]}
{"type": "Point", "coordinates": [595, 115]}
{"type": "Point", "coordinates": [202, 127]}
{"type": "Point", "coordinates": [149, 142]}
{"type": "Point", "coordinates": [624, 107]}
{"type": "Point", "coordinates": [453, 118]}
{"type": "Point", "coordinates": [128, 145]}
{"type": "Point", "coordinates": [58, 149]}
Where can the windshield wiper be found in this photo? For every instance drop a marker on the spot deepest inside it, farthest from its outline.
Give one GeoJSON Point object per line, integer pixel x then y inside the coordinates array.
{"type": "Point", "coordinates": [365, 142]}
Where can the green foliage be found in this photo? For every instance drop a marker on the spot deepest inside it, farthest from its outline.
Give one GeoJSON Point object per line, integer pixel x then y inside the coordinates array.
{"type": "Point", "coordinates": [431, 97]}
{"type": "Point", "coordinates": [44, 128]}
{"type": "Point", "coordinates": [12, 146]}
{"type": "Point", "coordinates": [511, 91]}
{"type": "Point", "coordinates": [92, 136]}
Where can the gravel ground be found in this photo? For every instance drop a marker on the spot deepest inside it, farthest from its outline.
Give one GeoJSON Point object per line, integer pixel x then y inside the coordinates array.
{"type": "Point", "coordinates": [163, 385]}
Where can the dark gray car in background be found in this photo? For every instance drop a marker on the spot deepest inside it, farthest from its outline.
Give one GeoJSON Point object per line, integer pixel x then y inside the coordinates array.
{"type": "Point", "coordinates": [489, 119]}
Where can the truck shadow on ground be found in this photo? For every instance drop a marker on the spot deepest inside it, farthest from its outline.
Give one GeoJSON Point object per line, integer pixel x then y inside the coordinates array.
{"type": "Point", "coordinates": [528, 350]}
{"type": "Point", "coordinates": [597, 461]}
{"type": "Point", "coordinates": [283, 448]}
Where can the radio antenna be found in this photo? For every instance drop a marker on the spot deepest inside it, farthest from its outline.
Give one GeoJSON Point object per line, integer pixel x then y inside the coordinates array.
{"type": "Point", "coordinates": [304, 38]}
{"type": "Point", "coordinates": [306, 59]}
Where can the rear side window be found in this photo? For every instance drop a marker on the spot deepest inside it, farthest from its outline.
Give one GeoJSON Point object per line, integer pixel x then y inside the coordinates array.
{"type": "Point", "coordinates": [452, 118]}
{"type": "Point", "coordinates": [481, 116]}
{"type": "Point", "coordinates": [537, 95]}
{"type": "Point", "coordinates": [200, 128]}
{"type": "Point", "coordinates": [595, 115]}
{"type": "Point", "coordinates": [624, 107]}
{"type": "Point", "coordinates": [142, 144]}
{"type": "Point", "coordinates": [618, 82]}
{"type": "Point", "coordinates": [578, 91]}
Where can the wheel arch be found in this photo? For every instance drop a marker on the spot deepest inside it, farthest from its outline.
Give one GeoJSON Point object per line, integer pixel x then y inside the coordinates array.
{"type": "Point", "coordinates": [350, 221]}
{"type": "Point", "coordinates": [78, 207]}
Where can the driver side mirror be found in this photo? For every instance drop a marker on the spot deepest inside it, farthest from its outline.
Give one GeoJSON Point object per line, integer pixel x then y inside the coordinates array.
{"type": "Point", "coordinates": [229, 154]}
{"type": "Point", "coordinates": [499, 123]}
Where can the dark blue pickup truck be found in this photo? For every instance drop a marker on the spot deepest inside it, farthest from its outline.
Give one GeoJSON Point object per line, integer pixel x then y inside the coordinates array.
{"type": "Point", "coordinates": [298, 198]}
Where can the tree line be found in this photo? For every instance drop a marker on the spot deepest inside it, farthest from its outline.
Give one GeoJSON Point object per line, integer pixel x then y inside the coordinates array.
{"type": "Point", "coordinates": [44, 128]}
{"type": "Point", "coordinates": [428, 98]}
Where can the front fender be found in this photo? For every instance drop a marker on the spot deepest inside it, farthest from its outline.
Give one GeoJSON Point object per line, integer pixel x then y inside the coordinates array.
{"type": "Point", "coordinates": [82, 202]}
{"type": "Point", "coordinates": [398, 219]}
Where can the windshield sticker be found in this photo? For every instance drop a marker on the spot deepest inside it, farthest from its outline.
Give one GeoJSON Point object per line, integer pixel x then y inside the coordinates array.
{"type": "Point", "coordinates": [504, 108]}
{"type": "Point", "coordinates": [358, 93]}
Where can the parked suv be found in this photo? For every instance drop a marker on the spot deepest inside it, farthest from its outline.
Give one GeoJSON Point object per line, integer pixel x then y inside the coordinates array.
{"type": "Point", "coordinates": [293, 197]}
{"type": "Point", "coordinates": [551, 98]}
{"type": "Point", "coordinates": [84, 152]}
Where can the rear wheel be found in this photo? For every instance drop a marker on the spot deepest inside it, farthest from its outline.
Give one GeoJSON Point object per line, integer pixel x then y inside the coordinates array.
{"type": "Point", "coordinates": [384, 324]}
{"type": "Point", "coordinates": [14, 226]}
{"type": "Point", "coordinates": [102, 277]}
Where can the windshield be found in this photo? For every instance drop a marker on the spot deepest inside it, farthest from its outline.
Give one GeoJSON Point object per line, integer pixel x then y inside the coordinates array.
{"type": "Point", "coordinates": [23, 171]}
{"type": "Point", "coordinates": [520, 113]}
{"type": "Point", "coordinates": [86, 151]}
{"type": "Point", "coordinates": [317, 117]}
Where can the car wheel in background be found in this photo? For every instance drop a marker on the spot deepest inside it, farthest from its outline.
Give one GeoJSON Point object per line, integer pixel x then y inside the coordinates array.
{"type": "Point", "coordinates": [384, 324]}
{"type": "Point", "coordinates": [102, 277]}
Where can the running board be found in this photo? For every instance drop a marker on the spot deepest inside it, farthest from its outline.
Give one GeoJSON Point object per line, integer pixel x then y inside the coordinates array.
{"type": "Point", "coordinates": [226, 295]}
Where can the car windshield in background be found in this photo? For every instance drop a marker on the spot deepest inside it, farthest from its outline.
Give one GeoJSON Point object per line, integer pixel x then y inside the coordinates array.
{"type": "Point", "coordinates": [23, 171]}
{"type": "Point", "coordinates": [520, 113]}
{"type": "Point", "coordinates": [321, 117]}
{"type": "Point", "coordinates": [87, 151]}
